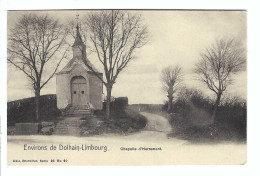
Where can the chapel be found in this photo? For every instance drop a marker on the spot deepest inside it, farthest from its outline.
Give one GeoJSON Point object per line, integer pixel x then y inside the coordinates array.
{"type": "Point", "coordinates": [77, 86]}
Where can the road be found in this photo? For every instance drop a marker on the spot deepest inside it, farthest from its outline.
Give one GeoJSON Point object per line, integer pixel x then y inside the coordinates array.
{"type": "Point", "coordinates": [157, 123]}
{"type": "Point", "coordinates": [125, 150]}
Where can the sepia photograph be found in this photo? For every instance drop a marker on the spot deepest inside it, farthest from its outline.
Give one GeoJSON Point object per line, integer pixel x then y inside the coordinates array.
{"type": "Point", "coordinates": [126, 87]}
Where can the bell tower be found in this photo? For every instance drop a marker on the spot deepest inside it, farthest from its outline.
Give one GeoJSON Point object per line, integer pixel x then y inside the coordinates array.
{"type": "Point", "coordinates": [78, 47]}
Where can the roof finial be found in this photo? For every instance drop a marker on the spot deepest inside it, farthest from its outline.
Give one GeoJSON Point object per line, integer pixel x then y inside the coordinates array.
{"type": "Point", "coordinates": [77, 18]}
{"type": "Point", "coordinates": [77, 26]}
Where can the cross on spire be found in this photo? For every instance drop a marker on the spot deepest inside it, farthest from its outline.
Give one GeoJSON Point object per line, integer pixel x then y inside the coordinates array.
{"type": "Point", "coordinates": [77, 18]}
{"type": "Point", "coordinates": [77, 26]}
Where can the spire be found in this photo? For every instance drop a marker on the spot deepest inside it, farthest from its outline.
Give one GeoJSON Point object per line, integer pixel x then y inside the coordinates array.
{"type": "Point", "coordinates": [78, 39]}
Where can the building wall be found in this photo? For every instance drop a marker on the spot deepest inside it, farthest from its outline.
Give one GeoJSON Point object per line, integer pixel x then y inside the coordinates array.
{"type": "Point", "coordinates": [62, 91]}
{"type": "Point", "coordinates": [63, 88]}
{"type": "Point", "coordinates": [95, 91]}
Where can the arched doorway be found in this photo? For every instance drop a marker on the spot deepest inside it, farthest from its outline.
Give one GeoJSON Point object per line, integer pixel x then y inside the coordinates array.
{"type": "Point", "coordinates": [78, 91]}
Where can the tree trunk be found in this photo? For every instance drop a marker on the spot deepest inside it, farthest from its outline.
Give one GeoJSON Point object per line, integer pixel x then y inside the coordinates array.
{"type": "Point", "coordinates": [37, 104]}
{"type": "Point", "coordinates": [109, 89]}
{"type": "Point", "coordinates": [216, 106]}
{"type": "Point", "coordinates": [170, 98]}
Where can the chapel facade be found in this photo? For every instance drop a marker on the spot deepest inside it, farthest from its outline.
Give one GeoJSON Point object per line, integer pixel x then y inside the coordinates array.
{"type": "Point", "coordinates": [76, 84]}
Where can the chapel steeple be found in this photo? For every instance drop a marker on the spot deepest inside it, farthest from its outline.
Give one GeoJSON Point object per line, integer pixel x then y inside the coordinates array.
{"type": "Point", "coordinates": [79, 48]}
{"type": "Point", "coordinates": [78, 40]}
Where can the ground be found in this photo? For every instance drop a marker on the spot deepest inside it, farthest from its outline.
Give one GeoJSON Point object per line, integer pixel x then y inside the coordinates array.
{"type": "Point", "coordinates": [174, 151]}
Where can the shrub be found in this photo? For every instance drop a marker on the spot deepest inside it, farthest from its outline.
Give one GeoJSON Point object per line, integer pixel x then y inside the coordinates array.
{"type": "Point", "coordinates": [192, 112]}
{"type": "Point", "coordinates": [119, 103]}
{"type": "Point", "coordinates": [23, 111]}
{"type": "Point", "coordinates": [123, 121]}
{"type": "Point", "coordinates": [128, 118]}
{"type": "Point", "coordinates": [233, 112]}
{"type": "Point", "coordinates": [190, 103]}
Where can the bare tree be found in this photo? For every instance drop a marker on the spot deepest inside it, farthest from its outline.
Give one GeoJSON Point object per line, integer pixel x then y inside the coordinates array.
{"type": "Point", "coordinates": [217, 65]}
{"type": "Point", "coordinates": [35, 40]}
{"type": "Point", "coordinates": [171, 77]}
{"type": "Point", "coordinates": [114, 36]}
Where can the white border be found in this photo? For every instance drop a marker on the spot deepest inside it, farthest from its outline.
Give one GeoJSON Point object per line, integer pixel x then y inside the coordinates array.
{"type": "Point", "coordinates": [252, 166]}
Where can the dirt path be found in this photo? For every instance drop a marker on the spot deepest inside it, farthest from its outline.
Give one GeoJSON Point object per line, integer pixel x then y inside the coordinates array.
{"type": "Point", "coordinates": [156, 123]}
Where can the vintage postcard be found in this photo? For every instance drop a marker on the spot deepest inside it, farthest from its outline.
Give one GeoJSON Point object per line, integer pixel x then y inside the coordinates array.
{"type": "Point", "coordinates": [126, 87]}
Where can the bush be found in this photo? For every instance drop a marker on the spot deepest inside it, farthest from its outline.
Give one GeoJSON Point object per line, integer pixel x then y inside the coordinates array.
{"type": "Point", "coordinates": [233, 113]}
{"type": "Point", "coordinates": [119, 103]}
{"type": "Point", "coordinates": [23, 111]}
{"type": "Point", "coordinates": [190, 104]}
{"type": "Point", "coordinates": [128, 118]}
{"type": "Point", "coordinates": [192, 112]}
{"type": "Point", "coordinates": [122, 121]}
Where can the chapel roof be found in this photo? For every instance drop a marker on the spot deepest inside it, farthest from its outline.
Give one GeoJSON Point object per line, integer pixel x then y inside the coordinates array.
{"type": "Point", "coordinates": [77, 61]}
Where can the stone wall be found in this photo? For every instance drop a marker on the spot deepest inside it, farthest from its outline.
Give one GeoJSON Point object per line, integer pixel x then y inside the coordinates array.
{"type": "Point", "coordinates": [27, 128]}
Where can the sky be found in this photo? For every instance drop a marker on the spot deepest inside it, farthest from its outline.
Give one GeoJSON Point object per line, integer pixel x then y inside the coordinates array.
{"type": "Point", "coordinates": [176, 38]}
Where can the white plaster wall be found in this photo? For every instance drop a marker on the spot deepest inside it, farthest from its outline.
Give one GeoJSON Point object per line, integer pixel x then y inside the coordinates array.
{"type": "Point", "coordinates": [63, 88]}
{"type": "Point", "coordinates": [95, 91]}
{"type": "Point", "coordinates": [62, 91]}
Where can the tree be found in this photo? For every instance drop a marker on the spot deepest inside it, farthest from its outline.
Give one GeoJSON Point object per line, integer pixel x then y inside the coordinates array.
{"type": "Point", "coordinates": [34, 41]}
{"type": "Point", "coordinates": [218, 64]}
{"type": "Point", "coordinates": [114, 37]}
{"type": "Point", "coordinates": [171, 77]}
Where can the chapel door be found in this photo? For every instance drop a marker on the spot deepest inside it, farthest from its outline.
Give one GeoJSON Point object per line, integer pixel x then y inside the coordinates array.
{"type": "Point", "coordinates": [78, 91]}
